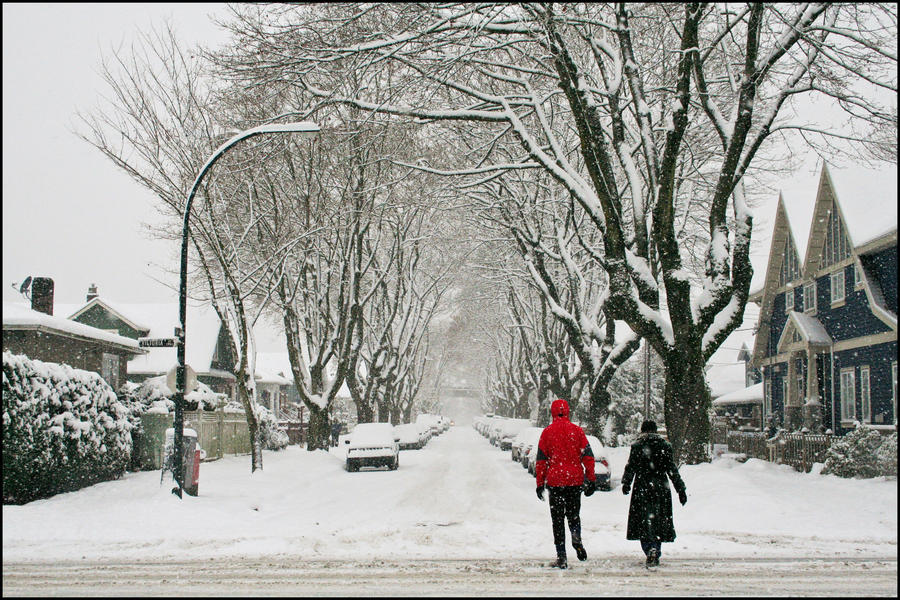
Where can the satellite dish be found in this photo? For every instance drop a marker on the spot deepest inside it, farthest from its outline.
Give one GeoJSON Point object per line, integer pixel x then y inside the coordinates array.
{"type": "Point", "coordinates": [23, 289]}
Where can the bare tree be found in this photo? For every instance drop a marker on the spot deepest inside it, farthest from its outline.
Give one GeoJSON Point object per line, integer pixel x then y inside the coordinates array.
{"type": "Point", "coordinates": [639, 87]}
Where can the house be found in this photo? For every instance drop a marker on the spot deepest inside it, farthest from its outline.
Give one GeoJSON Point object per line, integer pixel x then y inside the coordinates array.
{"type": "Point", "coordinates": [827, 329]}
{"type": "Point", "coordinates": [40, 335]}
{"type": "Point", "coordinates": [208, 352]}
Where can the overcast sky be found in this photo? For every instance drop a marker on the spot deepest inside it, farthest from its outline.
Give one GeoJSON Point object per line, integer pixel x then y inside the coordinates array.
{"type": "Point", "coordinates": [68, 212]}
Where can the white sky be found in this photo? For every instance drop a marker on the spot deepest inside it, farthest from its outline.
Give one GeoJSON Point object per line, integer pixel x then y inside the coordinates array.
{"type": "Point", "coordinates": [68, 212]}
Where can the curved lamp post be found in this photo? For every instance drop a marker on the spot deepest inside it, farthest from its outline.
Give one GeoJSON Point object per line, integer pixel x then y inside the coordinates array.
{"type": "Point", "coordinates": [302, 127]}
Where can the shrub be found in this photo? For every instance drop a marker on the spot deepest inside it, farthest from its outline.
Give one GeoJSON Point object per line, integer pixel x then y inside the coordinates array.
{"type": "Point", "coordinates": [63, 429]}
{"type": "Point", "coordinates": [887, 456]}
{"type": "Point", "coordinates": [270, 436]}
{"type": "Point", "coordinates": [857, 454]}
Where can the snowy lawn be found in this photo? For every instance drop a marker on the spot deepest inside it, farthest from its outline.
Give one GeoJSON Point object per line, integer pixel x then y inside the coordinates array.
{"type": "Point", "coordinates": [459, 497]}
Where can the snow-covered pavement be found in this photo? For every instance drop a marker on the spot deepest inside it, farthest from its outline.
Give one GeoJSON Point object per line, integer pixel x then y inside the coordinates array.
{"type": "Point", "coordinates": [458, 501]}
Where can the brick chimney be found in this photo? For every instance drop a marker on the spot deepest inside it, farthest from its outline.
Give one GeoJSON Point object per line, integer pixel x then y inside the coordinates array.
{"type": "Point", "coordinates": [92, 292]}
{"type": "Point", "coordinates": [42, 295]}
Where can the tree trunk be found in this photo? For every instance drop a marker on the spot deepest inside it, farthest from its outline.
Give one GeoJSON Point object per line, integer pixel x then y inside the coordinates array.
{"type": "Point", "coordinates": [365, 412]}
{"type": "Point", "coordinates": [687, 404]}
{"type": "Point", "coordinates": [256, 461]}
{"type": "Point", "coordinates": [318, 436]}
{"type": "Point", "coordinates": [597, 410]}
{"type": "Point", "coordinates": [384, 411]}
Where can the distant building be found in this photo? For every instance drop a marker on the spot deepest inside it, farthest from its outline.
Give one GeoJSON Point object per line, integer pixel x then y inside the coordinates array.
{"type": "Point", "coordinates": [827, 331]}
{"type": "Point", "coordinates": [41, 336]}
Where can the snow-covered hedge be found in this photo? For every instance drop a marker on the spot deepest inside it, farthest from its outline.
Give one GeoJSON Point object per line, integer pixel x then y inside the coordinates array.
{"type": "Point", "coordinates": [862, 453]}
{"type": "Point", "coordinates": [271, 437]}
{"type": "Point", "coordinates": [153, 395]}
{"type": "Point", "coordinates": [63, 429]}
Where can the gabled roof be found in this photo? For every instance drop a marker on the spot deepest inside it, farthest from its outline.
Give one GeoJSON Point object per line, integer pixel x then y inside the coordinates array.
{"type": "Point", "coordinates": [106, 305]}
{"type": "Point", "coordinates": [810, 330]}
{"type": "Point", "coordinates": [17, 315]}
{"type": "Point", "coordinates": [869, 201]}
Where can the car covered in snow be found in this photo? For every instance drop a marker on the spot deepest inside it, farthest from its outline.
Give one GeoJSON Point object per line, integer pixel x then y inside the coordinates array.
{"type": "Point", "coordinates": [508, 430]}
{"type": "Point", "coordinates": [372, 445]}
{"type": "Point", "coordinates": [521, 439]}
{"type": "Point", "coordinates": [410, 436]}
{"type": "Point", "coordinates": [601, 464]}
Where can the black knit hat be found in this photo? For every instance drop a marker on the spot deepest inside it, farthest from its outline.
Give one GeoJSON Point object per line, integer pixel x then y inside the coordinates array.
{"type": "Point", "coordinates": [648, 427]}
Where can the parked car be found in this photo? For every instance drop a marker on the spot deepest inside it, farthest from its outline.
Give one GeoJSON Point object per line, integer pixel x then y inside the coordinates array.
{"type": "Point", "coordinates": [526, 441]}
{"type": "Point", "coordinates": [509, 430]}
{"type": "Point", "coordinates": [601, 464]}
{"type": "Point", "coordinates": [409, 436]}
{"type": "Point", "coordinates": [372, 445]}
{"type": "Point", "coordinates": [519, 441]}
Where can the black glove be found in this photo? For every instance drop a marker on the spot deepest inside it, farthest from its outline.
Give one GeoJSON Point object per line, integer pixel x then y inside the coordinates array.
{"type": "Point", "coordinates": [682, 496]}
{"type": "Point", "coordinates": [589, 487]}
{"type": "Point", "coordinates": [540, 492]}
{"type": "Point", "coordinates": [626, 488]}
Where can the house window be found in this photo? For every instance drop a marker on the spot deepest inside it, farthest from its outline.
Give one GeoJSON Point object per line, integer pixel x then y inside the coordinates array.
{"type": "Point", "coordinates": [809, 297]}
{"type": "Point", "coordinates": [848, 394]}
{"type": "Point", "coordinates": [865, 395]}
{"type": "Point", "coordinates": [784, 391]}
{"type": "Point", "coordinates": [768, 395]}
{"type": "Point", "coordinates": [857, 276]}
{"type": "Point", "coordinates": [837, 246]}
{"type": "Point", "coordinates": [789, 300]}
{"type": "Point", "coordinates": [110, 369]}
{"type": "Point", "coordinates": [837, 286]}
{"type": "Point", "coordinates": [801, 384]}
{"type": "Point", "coordinates": [790, 265]}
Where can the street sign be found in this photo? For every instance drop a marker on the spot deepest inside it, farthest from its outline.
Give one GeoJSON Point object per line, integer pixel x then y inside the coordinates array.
{"type": "Point", "coordinates": [156, 342]}
{"type": "Point", "coordinates": [190, 379]}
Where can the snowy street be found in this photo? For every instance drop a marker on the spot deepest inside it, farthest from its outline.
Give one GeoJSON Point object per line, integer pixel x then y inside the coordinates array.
{"type": "Point", "coordinates": [457, 517]}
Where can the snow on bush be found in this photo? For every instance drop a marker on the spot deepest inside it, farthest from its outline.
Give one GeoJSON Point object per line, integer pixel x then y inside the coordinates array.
{"type": "Point", "coordinates": [153, 395]}
{"type": "Point", "coordinates": [270, 436]}
{"type": "Point", "coordinates": [63, 429]}
{"type": "Point", "coordinates": [859, 454]}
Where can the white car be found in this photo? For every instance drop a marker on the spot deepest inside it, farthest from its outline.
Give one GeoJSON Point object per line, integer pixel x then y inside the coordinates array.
{"type": "Point", "coordinates": [372, 445]}
{"type": "Point", "coordinates": [410, 436]}
{"type": "Point", "coordinates": [601, 464]}
{"type": "Point", "coordinates": [521, 439]}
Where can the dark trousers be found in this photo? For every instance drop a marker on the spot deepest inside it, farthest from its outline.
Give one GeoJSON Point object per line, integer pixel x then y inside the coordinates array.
{"type": "Point", "coordinates": [565, 503]}
{"type": "Point", "coordinates": [646, 545]}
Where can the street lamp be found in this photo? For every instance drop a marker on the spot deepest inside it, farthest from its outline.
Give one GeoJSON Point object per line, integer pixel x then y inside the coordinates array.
{"type": "Point", "coordinates": [302, 127]}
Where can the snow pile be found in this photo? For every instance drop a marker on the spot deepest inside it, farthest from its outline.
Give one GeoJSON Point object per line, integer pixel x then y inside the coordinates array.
{"type": "Point", "coordinates": [270, 436]}
{"type": "Point", "coordinates": [862, 453]}
{"type": "Point", "coordinates": [63, 429]}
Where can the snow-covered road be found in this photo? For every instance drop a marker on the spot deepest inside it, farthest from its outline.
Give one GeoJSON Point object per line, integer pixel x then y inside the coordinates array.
{"type": "Point", "coordinates": [457, 513]}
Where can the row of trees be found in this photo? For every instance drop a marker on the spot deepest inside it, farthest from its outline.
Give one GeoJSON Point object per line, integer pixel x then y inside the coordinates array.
{"type": "Point", "coordinates": [610, 150]}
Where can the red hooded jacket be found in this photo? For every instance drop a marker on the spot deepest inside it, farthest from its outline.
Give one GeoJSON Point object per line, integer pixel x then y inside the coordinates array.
{"type": "Point", "coordinates": [564, 455]}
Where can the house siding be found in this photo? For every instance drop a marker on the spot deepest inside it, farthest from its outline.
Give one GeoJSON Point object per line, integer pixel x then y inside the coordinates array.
{"type": "Point", "coordinates": [777, 320]}
{"type": "Point", "coordinates": [853, 318]}
{"type": "Point", "coordinates": [878, 358]}
{"type": "Point", "coordinates": [97, 316]}
{"type": "Point", "coordinates": [884, 264]}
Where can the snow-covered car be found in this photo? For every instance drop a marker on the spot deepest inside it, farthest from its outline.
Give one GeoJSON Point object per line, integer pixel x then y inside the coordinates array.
{"type": "Point", "coordinates": [372, 445]}
{"type": "Point", "coordinates": [519, 441]}
{"type": "Point", "coordinates": [525, 442]}
{"type": "Point", "coordinates": [601, 464]}
{"type": "Point", "coordinates": [509, 430]}
{"type": "Point", "coordinates": [410, 436]}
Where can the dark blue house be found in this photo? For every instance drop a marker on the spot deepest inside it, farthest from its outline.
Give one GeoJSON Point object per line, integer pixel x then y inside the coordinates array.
{"type": "Point", "coordinates": [827, 334]}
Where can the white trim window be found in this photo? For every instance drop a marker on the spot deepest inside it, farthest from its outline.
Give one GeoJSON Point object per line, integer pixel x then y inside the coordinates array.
{"type": "Point", "coordinates": [785, 390]}
{"type": "Point", "coordinates": [848, 394]}
{"type": "Point", "coordinates": [838, 291]}
{"type": "Point", "coordinates": [857, 276]}
{"type": "Point", "coordinates": [865, 394]}
{"type": "Point", "coordinates": [789, 300]}
{"type": "Point", "coordinates": [809, 296]}
{"type": "Point", "coordinates": [768, 393]}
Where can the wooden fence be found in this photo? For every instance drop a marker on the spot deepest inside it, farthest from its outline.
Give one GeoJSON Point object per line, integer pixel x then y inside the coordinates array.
{"type": "Point", "coordinates": [219, 433]}
{"type": "Point", "coordinates": [796, 449]}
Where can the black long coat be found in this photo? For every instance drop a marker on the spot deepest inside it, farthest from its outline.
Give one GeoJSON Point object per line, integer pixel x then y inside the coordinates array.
{"type": "Point", "coordinates": [650, 513]}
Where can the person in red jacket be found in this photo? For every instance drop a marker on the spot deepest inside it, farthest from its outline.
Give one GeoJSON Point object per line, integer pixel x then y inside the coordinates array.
{"type": "Point", "coordinates": [565, 464]}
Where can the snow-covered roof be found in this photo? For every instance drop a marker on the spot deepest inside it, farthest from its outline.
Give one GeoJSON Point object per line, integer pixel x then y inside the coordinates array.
{"type": "Point", "coordinates": [725, 378]}
{"type": "Point", "coordinates": [17, 315]}
{"type": "Point", "coordinates": [868, 200]}
{"type": "Point", "coordinates": [748, 395]}
{"type": "Point", "coordinates": [810, 328]}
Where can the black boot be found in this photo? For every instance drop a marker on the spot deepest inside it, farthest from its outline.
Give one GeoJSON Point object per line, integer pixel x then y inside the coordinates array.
{"type": "Point", "coordinates": [561, 562]}
{"type": "Point", "coordinates": [580, 552]}
{"type": "Point", "coordinates": [652, 558]}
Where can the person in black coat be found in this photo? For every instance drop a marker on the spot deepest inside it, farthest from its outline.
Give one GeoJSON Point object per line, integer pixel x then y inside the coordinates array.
{"type": "Point", "coordinates": [650, 514]}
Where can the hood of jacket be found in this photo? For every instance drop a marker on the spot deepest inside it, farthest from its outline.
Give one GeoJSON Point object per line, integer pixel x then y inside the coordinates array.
{"type": "Point", "coordinates": [559, 409]}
